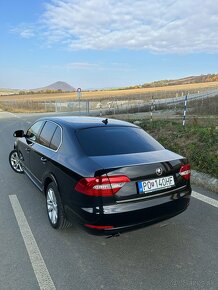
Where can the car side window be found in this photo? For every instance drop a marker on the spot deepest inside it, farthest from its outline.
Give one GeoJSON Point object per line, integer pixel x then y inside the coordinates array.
{"type": "Point", "coordinates": [47, 133]}
{"type": "Point", "coordinates": [33, 132]}
{"type": "Point", "coordinates": [56, 139]}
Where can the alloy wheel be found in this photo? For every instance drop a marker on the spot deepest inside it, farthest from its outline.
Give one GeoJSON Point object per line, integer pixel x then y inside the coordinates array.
{"type": "Point", "coordinates": [15, 162]}
{"type": "Point", "coordinates": [52, 206]}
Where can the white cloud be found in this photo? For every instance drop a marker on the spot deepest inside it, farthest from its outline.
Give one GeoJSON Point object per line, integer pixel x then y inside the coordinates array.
{"type": "Point", "coordinates": [82, 65]}
{"type": "Point", "coordinates": [23, 31]}
{"type": "Point", "coordinates": [160, 26]}
{"type": "Point", "coordinates": [90, 67]}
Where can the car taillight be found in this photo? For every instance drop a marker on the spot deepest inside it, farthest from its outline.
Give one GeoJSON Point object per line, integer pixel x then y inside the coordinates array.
{"type": "Point", "coordinates": [101, 185]}
{"type": "Point", "coordinates": [185, 171]}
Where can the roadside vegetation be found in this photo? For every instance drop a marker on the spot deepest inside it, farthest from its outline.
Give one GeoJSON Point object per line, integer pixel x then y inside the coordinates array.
{"type": "Point", "coordinates": [198, 142]}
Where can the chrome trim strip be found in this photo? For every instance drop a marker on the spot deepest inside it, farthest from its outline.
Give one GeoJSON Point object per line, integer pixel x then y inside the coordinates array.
{"type": "Point", "coordinates": [32, 179]}
{"type": "Point", "coordinates": [150, 196]}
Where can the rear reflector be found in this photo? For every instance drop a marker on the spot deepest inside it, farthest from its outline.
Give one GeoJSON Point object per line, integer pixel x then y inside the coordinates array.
{"type": "Point", "coordinates": [185, 171]}
{"type": "Point", "coordinates": [101, 185]}
{"type": "Point", "coordinates": [98, 227]}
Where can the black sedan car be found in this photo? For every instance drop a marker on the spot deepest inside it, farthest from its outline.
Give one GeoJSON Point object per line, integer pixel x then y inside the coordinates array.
{"type": "Point", "coordinates": [109, 174]}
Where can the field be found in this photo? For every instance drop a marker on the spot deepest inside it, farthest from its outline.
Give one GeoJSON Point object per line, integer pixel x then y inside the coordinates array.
{"type": "Point", "coordinates": [160, 92]}
{"type": "Point", "coordinates": [6, 92]}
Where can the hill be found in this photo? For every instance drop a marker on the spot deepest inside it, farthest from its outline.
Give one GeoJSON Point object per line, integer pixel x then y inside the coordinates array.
{"type": "Point", "coordinates": [193, 82]}
{"type": "Point", "coordinates": [57, 86]}
{"type": "Point", "coordinates": [183, 81]}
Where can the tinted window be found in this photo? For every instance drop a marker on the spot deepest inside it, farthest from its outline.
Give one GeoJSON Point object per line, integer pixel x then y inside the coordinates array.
{"type": "Point", "coordinates": [33, 132]}
{"type": "Point", "coordinates": [116, 140]}
{"type": "Point", "coordinates": [47, 133]}
{"type": "Point", "coordinates": [56, 139]}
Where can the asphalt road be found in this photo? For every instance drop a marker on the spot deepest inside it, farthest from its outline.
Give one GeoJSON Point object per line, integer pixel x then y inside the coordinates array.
{"type": "Point", "coordinates": [180, 253]}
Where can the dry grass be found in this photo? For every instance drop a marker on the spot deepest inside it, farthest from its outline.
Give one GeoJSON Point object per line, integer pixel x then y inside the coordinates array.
{"type": "Point", "coordinates": [107, 94]}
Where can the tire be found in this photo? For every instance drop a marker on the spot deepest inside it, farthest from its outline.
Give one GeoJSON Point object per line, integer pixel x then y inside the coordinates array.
{"type": "Point", "coordinates": [55, 209]}
{"type": "Point", "coordinates": [15, 163]}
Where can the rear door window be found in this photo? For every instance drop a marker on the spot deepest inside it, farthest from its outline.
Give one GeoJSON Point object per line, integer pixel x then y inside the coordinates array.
{"type": "Point", "coordinates": [56, 139]}
{"type": "Point", "coordinates": [47, 133]}
{"type": "Point", "coordinates": [116, 140]}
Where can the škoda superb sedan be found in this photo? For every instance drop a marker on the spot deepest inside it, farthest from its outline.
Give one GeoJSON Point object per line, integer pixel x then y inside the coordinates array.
{"type": "Point", "coordinates": [111, 175]}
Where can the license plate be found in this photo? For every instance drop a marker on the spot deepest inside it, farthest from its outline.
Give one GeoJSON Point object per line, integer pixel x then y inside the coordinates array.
{"type": "Point", "coordinates": [155, 184]}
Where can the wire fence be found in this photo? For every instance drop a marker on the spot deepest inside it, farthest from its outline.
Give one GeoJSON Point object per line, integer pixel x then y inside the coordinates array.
{"type": "Point", "coordinates": [200, 105]}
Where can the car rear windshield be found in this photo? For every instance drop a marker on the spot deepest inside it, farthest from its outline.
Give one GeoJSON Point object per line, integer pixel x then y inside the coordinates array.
{"type": "Point", "coordinates": [103, 141]}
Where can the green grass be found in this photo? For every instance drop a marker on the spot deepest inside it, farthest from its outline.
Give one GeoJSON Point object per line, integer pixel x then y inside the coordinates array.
{"type": "Point", "coordinates": [199, 143]}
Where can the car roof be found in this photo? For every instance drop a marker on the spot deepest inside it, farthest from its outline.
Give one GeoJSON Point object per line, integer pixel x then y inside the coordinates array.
{"type": "Point", "coordinates": [78, 122]}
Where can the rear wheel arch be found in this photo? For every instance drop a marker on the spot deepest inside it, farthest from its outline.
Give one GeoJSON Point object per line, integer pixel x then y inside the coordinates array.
{"type": "Point", "coordinates": [49, 178]}
{"type": "Point", "coordinates": [55, 208]}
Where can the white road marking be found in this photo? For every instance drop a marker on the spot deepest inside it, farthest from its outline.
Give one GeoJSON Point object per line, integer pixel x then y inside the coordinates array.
{"type": "Point", "coordinates": [205, 198]}
{"type": "Point", "coordinates": [42, 275]}
{"type": "Point", "coordinates": [16, 116]}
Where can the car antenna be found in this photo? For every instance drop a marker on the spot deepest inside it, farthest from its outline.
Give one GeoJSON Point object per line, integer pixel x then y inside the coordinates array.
{"type": "Point", "coordinates": [105, 121]}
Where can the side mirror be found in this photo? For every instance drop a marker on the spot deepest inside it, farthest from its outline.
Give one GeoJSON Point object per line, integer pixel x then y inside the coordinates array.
{"type": "Point", "coordinates": [19, 134]}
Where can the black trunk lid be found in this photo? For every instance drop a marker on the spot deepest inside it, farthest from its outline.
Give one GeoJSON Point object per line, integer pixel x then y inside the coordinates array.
{"type": "Point", "coordinates": [141, 167]}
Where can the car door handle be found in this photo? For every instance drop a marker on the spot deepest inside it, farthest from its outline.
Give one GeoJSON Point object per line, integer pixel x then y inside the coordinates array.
{"type": "Point", "coordinates": [27, 149]}
{"type": "Point", "coordinates": [43, 159]}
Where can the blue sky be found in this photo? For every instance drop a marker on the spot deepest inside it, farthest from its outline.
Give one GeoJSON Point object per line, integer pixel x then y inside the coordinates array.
{"type": "Point", "coordinates": [105, 43]}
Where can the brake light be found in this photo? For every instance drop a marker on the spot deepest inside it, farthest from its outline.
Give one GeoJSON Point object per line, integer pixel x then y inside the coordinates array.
{"type": "Point", "coordinates": [185, 171]}
{"type": "Point", "coordinates": [101, 185]}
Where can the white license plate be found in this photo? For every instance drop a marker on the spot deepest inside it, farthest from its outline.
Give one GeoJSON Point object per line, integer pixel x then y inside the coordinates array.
{"type": "Point", "coordinates": [155, 184]}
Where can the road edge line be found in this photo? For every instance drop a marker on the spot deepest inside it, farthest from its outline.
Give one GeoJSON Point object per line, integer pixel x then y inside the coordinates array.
{"type": "Point", "coordinates": [205, 199]}
{"type": "Point", "coordinates": [39, 267]}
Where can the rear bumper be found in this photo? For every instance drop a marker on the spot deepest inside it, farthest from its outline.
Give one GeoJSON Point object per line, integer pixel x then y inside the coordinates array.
{"type": "Point", "coordinates": [130, 215]}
